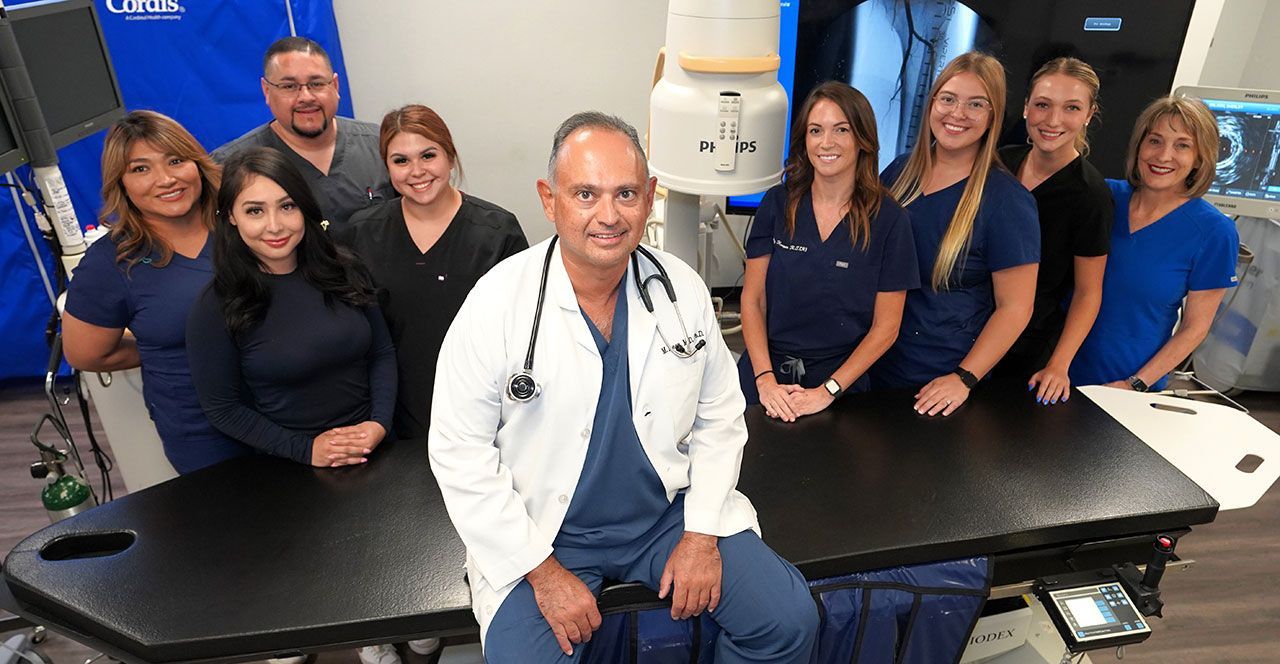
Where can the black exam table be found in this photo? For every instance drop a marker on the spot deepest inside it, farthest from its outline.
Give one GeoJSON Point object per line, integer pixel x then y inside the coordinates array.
{"type": "Point", "coordinates": [261, 555]}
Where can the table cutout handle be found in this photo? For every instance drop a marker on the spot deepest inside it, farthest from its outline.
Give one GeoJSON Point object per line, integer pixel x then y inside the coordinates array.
{"type": "Point", "coordinates": [1173, 409]}
{"type": "Point", "coordinates": [87, 545]}
{"type": "Point", "coordinates": [1249, 463]}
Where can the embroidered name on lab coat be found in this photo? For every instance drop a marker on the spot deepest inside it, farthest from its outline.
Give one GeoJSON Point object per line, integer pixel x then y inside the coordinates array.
{"type": "Point", "coordinates": [789, 247]}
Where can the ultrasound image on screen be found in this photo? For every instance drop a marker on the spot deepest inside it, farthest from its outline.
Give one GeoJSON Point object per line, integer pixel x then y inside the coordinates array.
{"type": "Point", "coordinates": [1248, 149]}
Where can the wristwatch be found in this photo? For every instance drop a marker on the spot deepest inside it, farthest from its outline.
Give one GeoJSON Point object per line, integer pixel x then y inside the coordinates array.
{"type": "Point", "coordinates": [967, 378]}
{"type": "Point", "coordinates": [833, 387]}
{"type": "Point", "coordinates": [1138, 384]}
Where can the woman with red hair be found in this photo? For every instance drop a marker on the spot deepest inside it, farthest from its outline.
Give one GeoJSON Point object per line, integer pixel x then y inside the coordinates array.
{"type": "Point", "coordinates": [426, 250]}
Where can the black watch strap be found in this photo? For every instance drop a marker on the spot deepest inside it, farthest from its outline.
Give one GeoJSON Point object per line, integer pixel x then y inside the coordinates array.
{"type": "Point", "coordinates": [970, 381]}
{"type": "Point", "coordinates": [1138, 384]}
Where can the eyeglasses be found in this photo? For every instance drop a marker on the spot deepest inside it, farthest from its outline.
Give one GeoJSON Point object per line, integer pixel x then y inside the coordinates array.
{"type": "Point", "coordinates": [292, 88]}
{"type": "Point", "coordinates": [974, 105]}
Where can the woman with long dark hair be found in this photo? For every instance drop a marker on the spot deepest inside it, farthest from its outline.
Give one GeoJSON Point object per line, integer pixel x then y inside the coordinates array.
{"type": "Point", "coordinates": [159, 192]}
{"type": "Point", "coordinates": [288, 350]}
{"type": "Point", "coordinates": [829, 260]}
{"type": "Point", "coordinates": [977, 242]}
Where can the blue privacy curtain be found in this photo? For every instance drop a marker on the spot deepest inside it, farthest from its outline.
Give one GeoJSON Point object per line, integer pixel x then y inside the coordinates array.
{"type": "Point", "coordinates": [198, 62]}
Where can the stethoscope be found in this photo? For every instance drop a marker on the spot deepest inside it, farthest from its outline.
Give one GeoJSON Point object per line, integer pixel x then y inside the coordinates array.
{"type": "Point", "coordinates": [522, 387]}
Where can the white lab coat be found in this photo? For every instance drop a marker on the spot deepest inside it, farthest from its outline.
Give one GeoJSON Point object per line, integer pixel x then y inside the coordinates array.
{"type": "Point", "coordinates": [508, 470]}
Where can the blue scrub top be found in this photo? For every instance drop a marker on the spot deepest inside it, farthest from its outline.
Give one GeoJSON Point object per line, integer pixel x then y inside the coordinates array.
{"type": "Point", "coordinates": [821, 294]}
{"type": "Point", "coordinates": [153, 303]}
{"type": "Point", "coordinates": [1194, 247]}
{"type": "Point", "coordinates": [619, 494]}
{"type": "Point", "coordinates": [939, 328]}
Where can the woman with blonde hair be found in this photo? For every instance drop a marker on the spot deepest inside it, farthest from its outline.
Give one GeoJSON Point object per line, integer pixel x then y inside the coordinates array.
{"type": "Point", "coordinates": [830, 258]}
{"type": "Point", "coordinates": [1168, 244]}
{"type": "Point", "coordinates": [977, 242]}
{"type": "Point", "coordinates": [1075, 225]}
{"type": "Point", "coordinates": [159, 192]}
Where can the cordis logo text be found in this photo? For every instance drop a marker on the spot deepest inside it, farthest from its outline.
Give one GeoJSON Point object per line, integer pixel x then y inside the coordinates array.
{"type": "Point", "coordinates": [147, 10]}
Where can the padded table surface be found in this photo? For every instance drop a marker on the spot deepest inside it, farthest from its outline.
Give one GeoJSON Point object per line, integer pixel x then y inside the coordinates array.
{"type": "Point", "coordinates": [260, 555]}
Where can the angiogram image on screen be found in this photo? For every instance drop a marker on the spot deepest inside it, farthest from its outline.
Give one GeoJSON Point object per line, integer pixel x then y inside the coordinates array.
{"type": "Point", "coordinates": [1248, 152]}
{"type": "Point", "coordinates": [897, 52]}
{"type": "Point", "coordinates": [893, 51]}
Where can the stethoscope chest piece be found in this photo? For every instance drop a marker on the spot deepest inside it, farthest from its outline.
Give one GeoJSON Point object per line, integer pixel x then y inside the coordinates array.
{"type": "Point", "coordinates": [521, 387]}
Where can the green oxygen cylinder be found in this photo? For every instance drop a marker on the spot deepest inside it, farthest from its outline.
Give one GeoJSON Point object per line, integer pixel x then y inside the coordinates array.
{"type": "Point", "coordinates": [66, 494]}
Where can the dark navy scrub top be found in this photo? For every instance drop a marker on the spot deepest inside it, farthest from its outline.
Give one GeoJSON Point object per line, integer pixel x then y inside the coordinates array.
{"type": "Point", "coordinates": [821, 294]}
{"type": "Point", "coordinates": [619, 494]}
{"type": "Point", "coordinates": [939, 327]}
{"type": "Point", "coordinates": [1194, 247]}
{"type": "Point", "coordinates": [153, 302]}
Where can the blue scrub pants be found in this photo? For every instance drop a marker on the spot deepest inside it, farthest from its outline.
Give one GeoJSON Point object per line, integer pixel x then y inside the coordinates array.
{"type": "Point", "coordinates": [765, 609]}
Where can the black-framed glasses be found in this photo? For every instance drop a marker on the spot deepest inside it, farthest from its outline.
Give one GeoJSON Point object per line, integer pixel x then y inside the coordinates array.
{"type": "Point", "coordinates": [292, 88]}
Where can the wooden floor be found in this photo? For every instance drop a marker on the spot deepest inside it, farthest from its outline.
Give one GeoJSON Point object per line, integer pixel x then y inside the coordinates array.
{"type": "Point", "coordinates": [1225, 609]}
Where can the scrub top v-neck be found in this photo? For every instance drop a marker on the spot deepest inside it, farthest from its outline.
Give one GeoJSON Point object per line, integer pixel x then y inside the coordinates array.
{"type": "Point", "coordinates": [1149, 272]}
{"type": "Point", "coordinates": [421, 292]}
{"type": "Point", "coordinates": [939, 327]}
{"type": "Point", "coordinates": [153, 303]}
{"type": "Point", "coordinates": [821, 292]}
{"type": "Point", "coordinates": [1075, 214]}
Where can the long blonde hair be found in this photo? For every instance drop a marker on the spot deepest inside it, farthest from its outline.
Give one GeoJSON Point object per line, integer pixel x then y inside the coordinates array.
{"type": "Point", "coordinates": [134, 237]}
{"type": "Point", "coordinates": [1081, 71]}
{"type": "Point", "coordinates": [907, 188]}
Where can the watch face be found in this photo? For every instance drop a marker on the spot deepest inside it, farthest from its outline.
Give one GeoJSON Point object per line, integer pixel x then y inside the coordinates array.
{"type": "Point", "coordinates": [832, 387]}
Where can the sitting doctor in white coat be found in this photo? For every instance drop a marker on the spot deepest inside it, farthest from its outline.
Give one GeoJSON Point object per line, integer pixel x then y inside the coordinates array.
{"type": "Point", "coordinates": [604, 440]}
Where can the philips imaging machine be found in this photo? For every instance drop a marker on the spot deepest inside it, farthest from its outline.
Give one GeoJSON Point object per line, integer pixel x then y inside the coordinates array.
{"type": "Point", "coordinates": [1248, 181]}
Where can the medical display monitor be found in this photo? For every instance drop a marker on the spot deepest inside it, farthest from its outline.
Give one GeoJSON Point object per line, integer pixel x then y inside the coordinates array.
{"type": "Point", "coordinates": [12, 154]}
{"type": "Point", "coordinates": [893, 50]}
{"type": "Point", "coordinates": [70, 68]}
{"type": "Point", "coordinates": [1248, 169]}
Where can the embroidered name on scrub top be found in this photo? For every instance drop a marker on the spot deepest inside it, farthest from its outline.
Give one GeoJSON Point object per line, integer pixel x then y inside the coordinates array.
{"type": "Point", "coordinates": [789, 247]}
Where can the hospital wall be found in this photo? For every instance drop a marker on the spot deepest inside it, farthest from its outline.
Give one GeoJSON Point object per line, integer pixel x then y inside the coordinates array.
{"type": "Point", "coordinates": [504, 73]}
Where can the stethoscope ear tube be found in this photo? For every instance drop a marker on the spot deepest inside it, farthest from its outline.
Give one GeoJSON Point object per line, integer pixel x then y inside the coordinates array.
{"type": "Point", "coordinates": [522, 387]}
